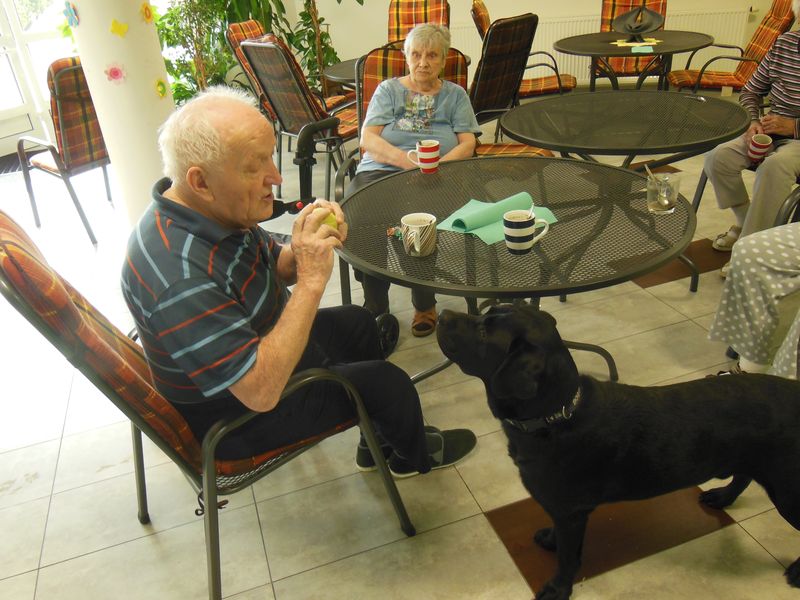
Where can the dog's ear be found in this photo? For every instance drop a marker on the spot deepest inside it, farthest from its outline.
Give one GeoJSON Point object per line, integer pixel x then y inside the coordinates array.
{"type": "Point", "coordinates": [518, 375]}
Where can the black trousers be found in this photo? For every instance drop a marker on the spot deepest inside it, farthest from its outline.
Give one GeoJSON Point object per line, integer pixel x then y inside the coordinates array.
{"type": "Point", "coordinates": [343, 339]}
{"type": "Point", "coordinates": [376, 290]}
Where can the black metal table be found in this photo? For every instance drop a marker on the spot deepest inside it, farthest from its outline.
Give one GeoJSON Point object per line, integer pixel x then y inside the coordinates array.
{"type": "Point", "coordinates": [627, 123]}
{"type": "Point", "coordinates": [604, 234]}
{"type": "Point", "coordinates": [600, 46]}
{"type": "Point", "coordinates": [343, 73]}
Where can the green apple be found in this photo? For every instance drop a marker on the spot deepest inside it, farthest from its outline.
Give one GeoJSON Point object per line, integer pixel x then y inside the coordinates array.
{"type": "Point", "coordinates": [328, 220]}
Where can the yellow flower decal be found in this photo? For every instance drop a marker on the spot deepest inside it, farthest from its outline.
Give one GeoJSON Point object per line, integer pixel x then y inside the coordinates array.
{"type": "Point", "coordinates": [147, 12]}
{"type": "Point", "coordinates": [161, 88]}
{"type": "Point", "coordinates": [117, 28]}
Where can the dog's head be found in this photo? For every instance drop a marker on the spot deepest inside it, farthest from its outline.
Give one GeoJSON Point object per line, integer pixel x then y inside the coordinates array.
{"type": "Point", "coordinates": [517, 352]}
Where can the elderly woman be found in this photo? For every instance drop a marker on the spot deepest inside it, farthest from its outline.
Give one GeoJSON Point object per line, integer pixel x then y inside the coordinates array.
{"type": "Point", "coordinates": [403, 111]}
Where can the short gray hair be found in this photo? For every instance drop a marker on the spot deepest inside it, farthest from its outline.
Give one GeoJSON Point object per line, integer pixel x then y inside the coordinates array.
{"type": "Point", "coordinates": [428, 35]}
{"type": "Point", "coordinates": [189, 136]}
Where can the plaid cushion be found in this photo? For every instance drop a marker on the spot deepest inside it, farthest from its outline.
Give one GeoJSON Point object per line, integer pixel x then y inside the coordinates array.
{"type": "Point", "coordinates": [504, 56]}
{"type": "Point", "coordinates": [236, 34]}
{"type": "Point", "coordinates": [510, 150]}
{"type": "Point", "coordinates": [105, 355]}
{"type": "Point", "coordinates": [624, 66]}
{"type": "Point", "coordinates": [777, 21]}
{"type": "Point", "coordinates": [480, 16]}
{"type": "Point", "coordinates": [78, 137]}
{"type": "Point", "coordinates": [404, 15]}
{"type": "Point", "coordinates": [538, 86]}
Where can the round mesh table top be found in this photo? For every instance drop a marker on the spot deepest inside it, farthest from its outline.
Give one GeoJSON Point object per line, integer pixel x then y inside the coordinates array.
{"type": "Point", "coordinates": [602, 43]}
{"type": "Point", "coordinates": [604, 234]}
{"type": "Point", "coordinates": [626, 122]}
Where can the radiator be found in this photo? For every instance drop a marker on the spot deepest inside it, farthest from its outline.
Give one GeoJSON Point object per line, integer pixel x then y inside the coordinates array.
{"type": "Point", "coordinates": [726, 27]}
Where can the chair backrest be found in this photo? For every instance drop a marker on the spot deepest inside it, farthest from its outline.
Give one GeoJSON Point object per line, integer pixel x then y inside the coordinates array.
{"type": "Point", "coordinates": [778, 20]}
{"type": "Point", "coordinates": [480, 16]}
{"type": "Point", "coordinates": [404, 15]}
{"type": "Point", "coordinates": [506, 47]}
{"type": "Point", "coordinates": [611, 10]}
{"type": "Point", "coordinates": [78, 137]}
{"type": "Point", "coordinates": [282, 80]}
{"type": "Point", "coordinates": [98, 349]}
{"type": "Point", "coordinates": [236, 33]}
{"type": "Point", "coordinates": [389, 61]}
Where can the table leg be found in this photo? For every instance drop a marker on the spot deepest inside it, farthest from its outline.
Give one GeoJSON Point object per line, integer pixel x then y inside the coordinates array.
{"type": "Point", "coordinates": [344, 281]}
{"type": "Point", "coordinates": [695, 277]}
{"type": "Point", "coordinates": [606, 69]}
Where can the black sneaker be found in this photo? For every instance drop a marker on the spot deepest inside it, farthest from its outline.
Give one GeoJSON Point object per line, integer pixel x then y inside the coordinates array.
{"type": "Point", "coordinates": [444, 447]}
{"type": "Point", "coordinates": [364, 460]}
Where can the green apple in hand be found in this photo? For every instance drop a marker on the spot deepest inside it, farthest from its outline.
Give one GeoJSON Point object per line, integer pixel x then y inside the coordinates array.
{"type": "Point", "coordinates": [328, 220]}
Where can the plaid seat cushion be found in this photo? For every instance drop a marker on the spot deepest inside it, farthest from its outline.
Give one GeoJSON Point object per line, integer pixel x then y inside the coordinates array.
{"type": "Point", "coordinates": [236, 33]}
{"type": "Point", "coordinates": [480, 16]}
{"type": "Point", "coordinates": [539, 86]}
{"type": "Point", "coordinates": [78, 137]}
{"type": "Point", "coordinates": [404, 15]}
{"type": "Point", "coordinates": [711, 79]}
{"type": "Point", "coordinates": [624, 66]}
{"type": "Point", "coordinates": [510, 150]}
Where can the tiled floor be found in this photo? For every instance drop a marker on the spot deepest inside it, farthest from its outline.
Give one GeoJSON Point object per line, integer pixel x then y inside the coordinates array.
{"type": "Point", "coordinates": [319, 528]}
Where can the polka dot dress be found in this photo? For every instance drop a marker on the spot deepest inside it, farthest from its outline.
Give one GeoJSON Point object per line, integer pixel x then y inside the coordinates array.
{"type": "Point", "coordinates": [765, 269]}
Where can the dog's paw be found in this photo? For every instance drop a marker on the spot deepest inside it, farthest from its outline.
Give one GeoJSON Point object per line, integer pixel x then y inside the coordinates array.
{"type": "Point", "coordinates": [546, 538]}
{"type": "Point", "coordinates": [552, 592]}
{"type": "Point", "coordinates": [717, 498]}
{"type": "Point", "coordinates": [793, 574]}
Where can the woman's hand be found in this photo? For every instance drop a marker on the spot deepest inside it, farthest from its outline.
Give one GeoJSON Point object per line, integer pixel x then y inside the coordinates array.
{"type": "Point", "coordinates": [382, 151]}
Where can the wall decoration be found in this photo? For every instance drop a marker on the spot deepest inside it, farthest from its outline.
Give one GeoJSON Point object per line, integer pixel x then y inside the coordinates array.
{"type": "Point", "coordinates": [147, 12]}
{"type": "Point", "coordinates": [117, 28]}
{"type": "Point", "coordinates": [162, 88]}
{"type": "Point", "coordinates": [71, 13]}
{"type": "Point", "coordinates": [115, 73]}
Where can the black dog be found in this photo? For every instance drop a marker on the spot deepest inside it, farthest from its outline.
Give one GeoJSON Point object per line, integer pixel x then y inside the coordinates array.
{"type": "Point", "coordinates": [579, 442]}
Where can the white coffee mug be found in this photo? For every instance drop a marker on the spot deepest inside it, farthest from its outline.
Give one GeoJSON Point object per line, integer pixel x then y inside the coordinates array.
{"type": "Point", "coordinates": [760, 144]}
{"type": "Point", "coordinates": [427, 156]}
{"type": "Point", "coordinates": [519, 227]}
{"type": "Point", "coordinates": [419, 233]}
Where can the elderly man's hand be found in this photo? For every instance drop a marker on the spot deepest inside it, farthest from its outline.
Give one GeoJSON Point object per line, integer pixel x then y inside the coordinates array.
{"type": "Point", "coordinates": [313, 243]}
{"type": "Point", "coordinates": [777, 125]}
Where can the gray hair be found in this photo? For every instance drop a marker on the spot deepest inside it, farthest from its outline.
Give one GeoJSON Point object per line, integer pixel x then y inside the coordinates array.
{"type": "Point", "coordinates": [189, 137]}
{"type": "Point", "coordinates": [428, 35]}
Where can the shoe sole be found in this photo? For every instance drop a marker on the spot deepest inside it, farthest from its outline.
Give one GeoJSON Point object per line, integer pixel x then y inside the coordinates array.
{"type": "Point", "coordinates": [415, 473]}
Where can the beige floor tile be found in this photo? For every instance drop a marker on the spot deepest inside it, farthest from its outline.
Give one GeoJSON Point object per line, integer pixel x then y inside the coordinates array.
{"type": "Point", "coordinates": [753, 501]}
{"type": "Point", "coordinates": [346, 516]}
{"type": "Point", "coordinates": [553, 304]}
{"type": "Point", "coordinates": [79, 463]}
{"type": "Point", "coordinates": [27, 473]}
{"type": "Point", "coordinates": [417, 359]}
{"type": "Point", "coordinates": [777, 536]}
{"type": "Point", "coordinates": [21, 587]}
{"type": "Point", "coordinates": [491, 475]}
{"type": "Point", "coordinates": [461, 560]}
{"type": "Point", "coordinates": [78, 525]}
{"type": "Point", "coordinates": [691, 304]}
{"type": "Point", "coordinates": [263, 592]}
{"type": "Point", "coordinates": [21, 543]}
{"type": "Point", "coordinates": [705, 320]}
{"type": "Point", "coordinates": [89, 408]}
{"type": "Point", "coordinates": [169, 565]}
{"type": "Point", "coordinates": [459, 405]}
{"type": "Point", "coordinates": [725, 564]}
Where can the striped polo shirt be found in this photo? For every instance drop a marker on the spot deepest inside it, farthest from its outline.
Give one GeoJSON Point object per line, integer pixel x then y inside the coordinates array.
{"type": "Point", "coordinates": [779, 76]}
{"type": "Point", "coordinates": [201, 296]}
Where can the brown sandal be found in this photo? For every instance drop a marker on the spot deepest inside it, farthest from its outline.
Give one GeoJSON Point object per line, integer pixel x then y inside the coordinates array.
{"type": "Point", "coordinates": [424, 322]}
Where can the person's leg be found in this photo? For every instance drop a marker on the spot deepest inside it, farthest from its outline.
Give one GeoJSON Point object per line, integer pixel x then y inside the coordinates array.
{"type": "Point", "coordinates": [775, 178]}
{"type": "Point", "coordinates": [424, 320]}
{"type": "Point", "coordinates": [787, 358]}
{"type": "Point", "coordinates": [723, 166]}
{"type": "Point", "coordinates": [765, 269]}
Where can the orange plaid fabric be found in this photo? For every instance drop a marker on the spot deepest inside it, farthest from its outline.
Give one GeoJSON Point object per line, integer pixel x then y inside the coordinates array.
{"type": "Point", "coordinates": [539, 86]}
{"type": "Point", "coordinates": [78, 137]}
{"type": "Point", "coordinates": [404, 15]}
{"type": "Point", "coordinates": [510, 150]}
{"type": "Point", "coordinates": [480, 16]}
{"type": "Point", "coordinates": [109, 358]}
{"type": "Point", "coordinates": [623, 66]}
{"type": "Point", "coordinates": [778, 20]}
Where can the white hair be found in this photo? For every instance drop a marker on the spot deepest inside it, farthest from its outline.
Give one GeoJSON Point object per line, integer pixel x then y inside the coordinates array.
{"type": "Point", "coordinates": [189, 136]}
{"type": "Point", "coordinates": [428, 35]}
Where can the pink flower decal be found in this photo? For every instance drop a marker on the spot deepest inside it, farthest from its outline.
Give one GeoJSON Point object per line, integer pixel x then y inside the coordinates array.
{"type": "Point", "coordinates": [115, 73]}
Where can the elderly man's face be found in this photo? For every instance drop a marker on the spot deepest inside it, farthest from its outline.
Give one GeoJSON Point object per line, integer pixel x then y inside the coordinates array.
{"type": "Point", "coordinates": [242, 183]}
{"type": "Point", "coordinates": [425, 64]}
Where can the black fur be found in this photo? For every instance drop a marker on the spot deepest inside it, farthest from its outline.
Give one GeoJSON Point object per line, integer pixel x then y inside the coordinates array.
{"type": "Point", "coordinates": [622, 442]}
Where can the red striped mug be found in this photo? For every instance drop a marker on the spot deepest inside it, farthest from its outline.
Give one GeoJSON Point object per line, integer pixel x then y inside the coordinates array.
{"type": "Point", "coordinates": [427, 158]}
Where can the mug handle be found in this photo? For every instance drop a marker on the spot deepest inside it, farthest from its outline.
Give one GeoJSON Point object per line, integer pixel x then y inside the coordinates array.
{"type": "Point", "coordinates": [408, 154]}
{"type": "Point", "coordinates": [413, 238]}
{"type": "Point", "coordinates": [540, 235]}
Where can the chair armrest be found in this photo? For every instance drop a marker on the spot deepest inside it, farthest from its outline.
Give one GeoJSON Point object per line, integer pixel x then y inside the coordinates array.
{"type": "Point", "coordinates": [553, 67]}
{"type": "Point", "coordinates": [23, 154]}
{"type": "Point", "coordinates": [347, 168]}
{"type": "Point", "coordinates": [716, 58]}
{"type": "Point", "coordinates": [731, 46]}
{"type": "Point", "coordinates": [789, 206]}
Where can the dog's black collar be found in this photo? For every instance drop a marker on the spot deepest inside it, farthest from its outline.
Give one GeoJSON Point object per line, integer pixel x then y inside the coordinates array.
{"type": "Point", "coordinates": [531, 425]}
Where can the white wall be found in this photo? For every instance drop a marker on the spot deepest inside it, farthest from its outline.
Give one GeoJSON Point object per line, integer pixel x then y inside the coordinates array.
{"type": "Point", "coordinates": [357, 29]}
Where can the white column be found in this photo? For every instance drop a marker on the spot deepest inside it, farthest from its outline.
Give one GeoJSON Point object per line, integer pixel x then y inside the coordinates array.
{"type": "Point", "coordinates": [121, 57]}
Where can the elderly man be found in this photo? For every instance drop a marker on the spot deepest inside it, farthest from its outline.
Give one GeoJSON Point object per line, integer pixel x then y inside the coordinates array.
{"type": "Point", "coordinates": [779, 76]}
{"type": "Point", "coordinates": [208, 291]}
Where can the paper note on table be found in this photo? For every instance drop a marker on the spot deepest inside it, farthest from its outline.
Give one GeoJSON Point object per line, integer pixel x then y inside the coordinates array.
{"type": "Point", "coordinates": [642, 49]}
{"type": "Point", "coordinates": [485, 219]}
